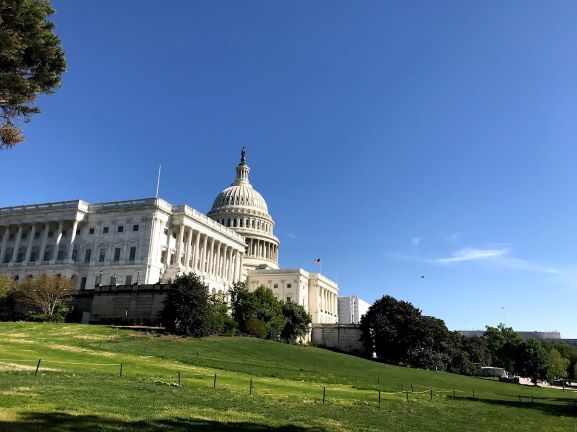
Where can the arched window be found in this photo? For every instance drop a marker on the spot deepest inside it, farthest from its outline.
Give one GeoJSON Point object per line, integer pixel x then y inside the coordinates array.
{"type": "Point", "coordinates": [228, 223]}
{"type": "Point", "coordinates": [234, 222]}
{"type": "Point", "coordinates": [252, 223]}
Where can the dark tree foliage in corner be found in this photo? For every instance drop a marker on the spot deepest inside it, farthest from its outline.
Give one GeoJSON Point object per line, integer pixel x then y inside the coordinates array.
{"type": "Point", "coordinates": [31, 63]}
{"type": "Point", "coordinates": [187, 308]}
{"type": "Point", "coordinates": [389, 328]}
{"type": "Point", "coordinates": [297, 321]}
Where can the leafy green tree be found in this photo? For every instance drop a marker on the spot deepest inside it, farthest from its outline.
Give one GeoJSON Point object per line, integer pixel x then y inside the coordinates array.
{"type": "Point", "coordinates": [222, 321]}
{"type": "Point", "coordinates": [6, 286]}
{"type": "Point", "coordinates": [260, 305]}
{"type": "Point", "coordinates": [559, 364]}
{"type": "Point", "coordinates": [389, 328]}
{"type": "Point", "coordinates": [187, 308]}
{"type": "Point", "coordinates": [31, 63]}
{"type": "Point", "coordinates": [532, 360]}
{"type": "Point", "coordinates": [431, 344]}
{"type": "Point", "coordinates": [49, 293]}
{"type": "Point", "coordinates": [7, 298]}
{"type": "Point", "coordinates": [297, 321]}
{"type": "Point", "coordinates": [503, 343]}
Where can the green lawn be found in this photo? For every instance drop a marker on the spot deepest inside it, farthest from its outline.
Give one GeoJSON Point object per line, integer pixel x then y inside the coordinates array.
{"type": "Point", "coordinates": [78, 387]}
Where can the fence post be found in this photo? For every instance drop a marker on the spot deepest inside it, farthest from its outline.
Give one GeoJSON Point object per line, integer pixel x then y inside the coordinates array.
{"type": "Point", "coordinates": [379, 398]}
{"type": "Point", "coordinates": [250, 387]}
{"type": "Point", "coordinates": [37, 366]}
{"type": "Point", "coordinates": [120, 370]}
{"type": "Point", "coordinates": [324, 394]}
{"type": "Point", "coordinates": [179, 378]}
{"type": "Point", "coordinates": [431, 391]}
{"type": "Point", "coordinates": [407, 392]}
{"type": "Point", "coordinates": [214, 382]}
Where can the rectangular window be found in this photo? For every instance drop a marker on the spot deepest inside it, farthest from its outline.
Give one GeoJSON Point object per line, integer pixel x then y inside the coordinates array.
{"type": "Point", "coordinates": [275, 285]}
{"type": "Point", "coordinates": [24, 236]}
{"type": "Point", "coordinates": [165, 231]}
{"type": "Point", "coordinates": [288, 285]}
{"type": "Point", "coordinates": [75, 255]}
{"type": "Point", "coordinates": [105, 230]}
{"type": "Point", "coordinates": [163, 257]}
{"type": "Point", "coordinates": [83, 283]}
{"type": "Point", "coordinates": [91, 231]}
{"type": "Point", "coordinates": [50, 234]}
{"type": "Point", "coordinates": [120, 228]}
{"type": "Point", "coordinates": [117, 254]}
{"type": "Point", "coordinates": [36, 235]}
{"type": "Point", "coordinates": [134, 227]}
{"type": "Point", "coordinates": [132, 254]}
{"type": "Point", "coordinates": [87, 255]}
{"type": "Point", "coordinates": [102, 255]}
{"type": "Point", "coordinates": [128, 280]}
{"type": "Point", "coordinates": [288, 298]}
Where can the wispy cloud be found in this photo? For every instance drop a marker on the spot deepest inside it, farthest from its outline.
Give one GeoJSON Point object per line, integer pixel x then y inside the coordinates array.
{"type": "Point", "coordinates": [471, 254]}
{"type": "Point", "coordinates": [496, 256]}
{"type": "Point", "coordinates": [416, 241]}
{"type": "Point", "coordinates": [291, 235]}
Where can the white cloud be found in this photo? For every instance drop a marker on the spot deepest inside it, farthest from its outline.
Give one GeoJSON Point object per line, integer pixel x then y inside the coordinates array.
{"type": "Point", "coordinates": [416, 241]}
{"type": "Point", "coordinates": [471, 254]}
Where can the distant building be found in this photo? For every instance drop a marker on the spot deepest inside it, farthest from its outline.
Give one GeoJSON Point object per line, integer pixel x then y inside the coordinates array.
{"type": "Point", "coordinates": [351, 309]}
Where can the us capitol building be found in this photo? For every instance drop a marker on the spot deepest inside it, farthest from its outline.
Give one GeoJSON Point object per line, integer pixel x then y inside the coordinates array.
{"type": "Point", "coordinates": [151, 241]}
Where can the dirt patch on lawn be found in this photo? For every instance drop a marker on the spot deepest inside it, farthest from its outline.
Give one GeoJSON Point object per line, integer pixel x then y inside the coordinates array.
{"type": "Point", "coordinates": [15, 367]}
{"type": "Point", "coordinates": [76, 349]}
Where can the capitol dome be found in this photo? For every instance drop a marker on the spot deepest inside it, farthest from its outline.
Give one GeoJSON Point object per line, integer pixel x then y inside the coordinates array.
{"type": "Point", "coordinates": [244, 210]}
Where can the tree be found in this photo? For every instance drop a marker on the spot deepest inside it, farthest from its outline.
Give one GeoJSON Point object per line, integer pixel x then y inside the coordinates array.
{"type": "Point", "coordinates": [31, 63]}
{"type": "Point", "coordinates": [559, 364]}
{"type": "Point", "coordinates": [532, 360]}
{"type": "Point", "coordinates": [503, 343]}
{"type": "Point", "coordinates": [297, 321]}
{"type": "Point", "coordinates": [259, 305]}
{"type": "Point", "coordinates": [431, 344]}
{"type": "Point", "coordinates": [6, 286]}
{"type": "Point", "coordinates": [47, 292]}
{"type": "Point", "coordinates": [187, 310]}
{"type": "Point", "coordinates": [389, 329]}
{"type": "Point", "coordinates": [222, 322]}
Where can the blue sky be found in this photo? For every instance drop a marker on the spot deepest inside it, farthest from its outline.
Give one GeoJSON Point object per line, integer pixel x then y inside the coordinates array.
{"type": "Point", "coordinates": [393, 140]}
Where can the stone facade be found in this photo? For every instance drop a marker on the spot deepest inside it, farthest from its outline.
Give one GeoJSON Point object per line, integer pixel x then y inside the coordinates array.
{"type": "Point", "coordinates": [351, 309]}
{"type": "Point", "coordinates": [341, 337]}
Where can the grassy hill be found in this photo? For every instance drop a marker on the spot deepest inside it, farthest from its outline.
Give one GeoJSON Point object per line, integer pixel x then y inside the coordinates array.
{"type": "Point", "coordinates": [103, 379]}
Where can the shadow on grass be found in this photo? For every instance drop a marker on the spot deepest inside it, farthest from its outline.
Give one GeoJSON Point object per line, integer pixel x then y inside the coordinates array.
{"type": "Point", "coordinates": [63, 422]}
{"type": "Point", "coordinates": [556, 406]}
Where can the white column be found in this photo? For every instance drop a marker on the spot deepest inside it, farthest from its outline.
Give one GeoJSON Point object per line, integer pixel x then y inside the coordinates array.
{"type": "Point", "coordinates": [203, 257]}
{"type": "Point", "coordinates": [72, 238]}
{"type": "Point", "coordinates": [57, 246]}
{"type": "Point", "coordinates": [4, 241]}
{"type": "Point", "coordinates": [229, 273]}
{"type": "Point", "coordinates": [235, 267]}
{"type": "Point", "coordinates": [179, 240]}
{"type": "Point", "coordinates": [29, 248]}
{"type": "Point", "coordinates": [196, 251]}
{"type": "Point", "coordinates": [44, 239]}
{"type": "Point", "coordinates": [211, 257]}
{"type": "Point", "coordinates": [16, 245]}
{"type": "Point", "coordinates": [187, 248]}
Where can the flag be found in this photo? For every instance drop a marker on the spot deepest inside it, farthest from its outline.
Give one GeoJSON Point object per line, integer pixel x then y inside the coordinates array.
{"type": "Point", "coordinates": [317, 261]}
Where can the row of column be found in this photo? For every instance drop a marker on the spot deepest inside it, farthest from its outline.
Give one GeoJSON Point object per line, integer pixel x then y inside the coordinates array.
{"type": "Point", "coordinates": [328, 301]}
{"type": "Point", "coordinates": [262, 249]}
{"type": "Point", "coordinates": [204, 254]}
{"type": "Point", "coordinates": [44, 228]}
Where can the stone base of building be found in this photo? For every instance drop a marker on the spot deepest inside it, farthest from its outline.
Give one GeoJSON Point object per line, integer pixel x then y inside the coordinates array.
{"type": "Point", "coordinates": [340, 337]}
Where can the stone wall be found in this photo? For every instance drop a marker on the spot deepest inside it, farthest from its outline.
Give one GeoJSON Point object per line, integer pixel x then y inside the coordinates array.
{"type": "Point", "coordinates": [342, 337]}
{"type": "Point", "coordinates": [130, 302]}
